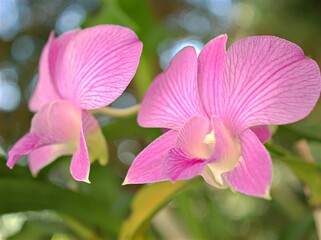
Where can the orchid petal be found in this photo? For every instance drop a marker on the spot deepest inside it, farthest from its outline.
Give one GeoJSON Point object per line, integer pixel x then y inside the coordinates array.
{"type": "Point", "coordinates": [57, 122]}
{"type": "Point", "coordinates": [253, 174]}
{"type": "Point", "coordinates": [148, 165]}
{"type": "Point", "coordinates": [97, 65]}
{"type": "Point", "coordinates": [191, 138]}
{"type": "Point", "coordinates": [45, 90]}
{"type": "Point", "coordinates": [23, 147]}
{"type": "Point", "coordinates": [178, 166]}
{"type": "Point", "coordinates": [173, 96]}
{"type": "Point", "coordinates": [80, 162]}
{"type": "Point", "coordinates": [56, 53]}
{"type": "Point", "coordinates": [225, 156]}
{"type": "Point", "coordinates": [262, 132]}
{"type": "Point", "coordinates": [268, 80]}
{"type": "Point", "coordinates": [41, 157]}
{"type": "Point", "coordinates": [89, 122]}
{"type": "Point", "coordinates": [96, 142]}
{"type": "Point", "coordinates": [189, 156]}
{"type": "Point", "coordinates": [210, 73]}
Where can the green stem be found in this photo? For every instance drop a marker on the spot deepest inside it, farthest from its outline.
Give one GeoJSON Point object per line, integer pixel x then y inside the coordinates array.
{"type": "Point", "coordinates": [118, 112]}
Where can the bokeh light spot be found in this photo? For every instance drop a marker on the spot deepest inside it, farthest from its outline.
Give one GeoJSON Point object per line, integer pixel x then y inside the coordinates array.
{"type": "Point", "coordinates": [72, 17]}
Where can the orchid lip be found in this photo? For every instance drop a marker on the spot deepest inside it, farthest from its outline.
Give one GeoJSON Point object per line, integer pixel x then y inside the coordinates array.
{"type": "Point", "coordinates": [225, 155]}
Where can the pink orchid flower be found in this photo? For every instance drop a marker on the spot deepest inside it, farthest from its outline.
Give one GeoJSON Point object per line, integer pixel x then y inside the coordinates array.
{"type": "Point", "coordinates": [79, 71]}
{"type": "Point", "coordinates": [217, 107]}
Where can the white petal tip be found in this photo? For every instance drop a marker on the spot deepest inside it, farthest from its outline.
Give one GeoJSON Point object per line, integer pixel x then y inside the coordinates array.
{"type": "Point", "coordinates": [9, 166]}
{"type": "Point", "coordinates": [125, 182]}
{"type": "Point", "coordinates": [87, 181]}
{"type": "Point", "coordinates": [267, 195]}
{"type": "Point", "coordinates": [83, 180]}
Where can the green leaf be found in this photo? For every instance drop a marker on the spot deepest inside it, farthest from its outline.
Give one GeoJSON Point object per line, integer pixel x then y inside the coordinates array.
{"type": "Point", "coordinates": [308, 173]}
{"type": "Point", "coordinates": [30, 195]}
{"type": "Point", "coordinates": [296, 230]}
{"type": "Point", "coordinates": [147, 202]}
{"type": "Point", "coordinates": [41, 229]}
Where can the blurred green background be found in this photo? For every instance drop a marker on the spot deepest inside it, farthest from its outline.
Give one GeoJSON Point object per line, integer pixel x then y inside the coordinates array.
{"type": "Point", "coordinates": [54, 206]}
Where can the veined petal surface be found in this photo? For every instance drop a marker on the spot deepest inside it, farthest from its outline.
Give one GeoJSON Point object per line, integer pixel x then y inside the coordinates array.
{"type": "Point", "coordinates": [97, 65]}
{"type": "Point", "coordinates": [24, 146]}
{"type": "Point", "coordinates": [262, 132]}
{"type": "Point", "coordinates": [187, 159]}
{"type": "Point", "coordinates": [191, 138]}
{"type": "Point", "coordinates": [45, 90]}
{"type": "Point", "coordinates": [173, 96]}
{"type": "Point", "coordinates": [41, 157]}
{"type": "Point", "coordinates": [253, 174]}
{"type": "Point", "coordinates": [96, 141]}
{"type": "Point", "coordinates": [210, 74]}
{"type": "Point", "coordinates": [177, 166]}
{"type": "Point", "coordinates": [226, 154]}
{"type": "Point", "coordinates": [57, 122]}
{"type": "Point", "coordinates": [80, 162]}
{"type": "Point", "coordinates": [148, 165]}
{"type": "Point", "coordinates": [268, 80]}
{"type": "Point", "coordinates": [56, 52]}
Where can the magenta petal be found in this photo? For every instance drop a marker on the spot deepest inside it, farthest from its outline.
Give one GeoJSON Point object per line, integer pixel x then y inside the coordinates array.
{"type": "Point", "coordinates": [191, 138]}
{"type": "Point", "coordinates": [80, 163]}
{"type": "Point", "coordinates": [44, 91]}
{"type": "Point", "coordinates": [56, 53]}
{"type": "Point", "coordinates": [225, 156]}
{"type": "Point", "coordinates": [178, 166]}
{"type": "Point", "coordinates": [262, 132]}
{"type": "Point", "coordinates": [98, 64]}
{"type": "Point", "coordinates": [41, 157]}
{"type": "Point", "coordinates": [23, 147]}
{"type": "Point", "coordinates": [89, 122]}
{"type": "Point", "coordinates": [253, 174]}
{"type": "Point", "coordinates": [173, 96]}
{"type": "Point", "coordinates": [226, 145]}
{"type": "Point", "coordinates": [210, 73]}
{"type": "Point", "coordinates": [148, 165]}
{"type": "Point", "coordinates": [96, 141]}
{"type": "Point", "coordinates": [57, 122]}
{"type": "Point", "coordinates": [268, 80]}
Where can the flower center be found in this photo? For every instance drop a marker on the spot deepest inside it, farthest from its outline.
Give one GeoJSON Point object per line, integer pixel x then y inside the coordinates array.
{"type": "Point", "coordinates": [210, 138]}
{"type": "Point", "coordinates": [209, 144]}
{"type": "Point", "coordinates": [224, 159]}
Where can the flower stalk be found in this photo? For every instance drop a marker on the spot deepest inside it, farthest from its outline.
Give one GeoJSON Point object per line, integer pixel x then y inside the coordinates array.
{"type": "Point", "coordinates": [118, 112]}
